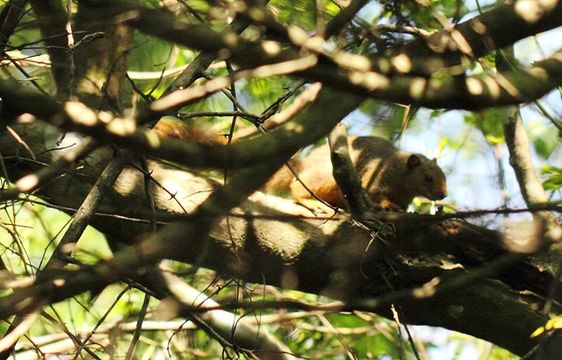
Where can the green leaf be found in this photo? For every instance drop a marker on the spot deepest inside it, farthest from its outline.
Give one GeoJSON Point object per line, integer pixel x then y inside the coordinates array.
{"type": "Point", "coordinates": [554, 179]}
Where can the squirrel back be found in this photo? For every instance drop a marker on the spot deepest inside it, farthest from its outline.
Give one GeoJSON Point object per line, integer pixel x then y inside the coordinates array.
{"type": "Point", "coordinates": [171, 127]}
{"type": "Point", "coordinates": [391, 177]}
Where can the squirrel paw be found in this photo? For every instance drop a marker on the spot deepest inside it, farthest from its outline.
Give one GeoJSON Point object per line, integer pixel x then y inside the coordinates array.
{"type": "Point", "coordinates": [387, 205]}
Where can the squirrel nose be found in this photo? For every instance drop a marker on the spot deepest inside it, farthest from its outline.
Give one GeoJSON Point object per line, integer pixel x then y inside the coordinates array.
{"type": "Point", "coordinates": [440, 194]}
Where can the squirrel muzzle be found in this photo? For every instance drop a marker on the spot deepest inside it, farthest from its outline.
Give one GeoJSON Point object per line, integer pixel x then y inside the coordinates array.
{"type": "Point", "coordinates": [440, 192]}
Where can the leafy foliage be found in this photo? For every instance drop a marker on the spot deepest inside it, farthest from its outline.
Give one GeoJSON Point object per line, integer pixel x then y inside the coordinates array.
{"type": "Point", "coordinates": [554, 177]}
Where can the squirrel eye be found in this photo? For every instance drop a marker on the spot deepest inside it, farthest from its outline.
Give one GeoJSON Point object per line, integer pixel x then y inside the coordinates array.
{"type": "Point", "coordinates": [428, 179]}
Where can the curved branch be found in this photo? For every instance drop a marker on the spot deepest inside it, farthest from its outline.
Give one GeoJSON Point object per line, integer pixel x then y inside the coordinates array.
{"type": "Point", "coordinates": [352, 74]}
{"type": "Point", "coordinates": [472, 93]}
{"type": "Point", "coordinates": [475, 37]}
{"type": "Point", "coordinates": [308, 126]}
{"type": "Point", "coordinates": [481, 33]}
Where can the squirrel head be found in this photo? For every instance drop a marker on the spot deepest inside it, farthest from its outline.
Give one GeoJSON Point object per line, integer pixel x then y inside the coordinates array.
{"type": "Point", "coordinates": [425, 177]}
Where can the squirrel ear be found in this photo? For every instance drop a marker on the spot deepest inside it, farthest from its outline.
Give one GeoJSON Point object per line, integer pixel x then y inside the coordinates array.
{"type": "Point", "coordinates": [413, 161]}
{"type": "Point", "coordinates": [434, 160]}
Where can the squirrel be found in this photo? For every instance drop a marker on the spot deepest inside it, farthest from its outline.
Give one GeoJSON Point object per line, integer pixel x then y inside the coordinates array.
{"type": "Point", "coordinates": [171, 127]}
{"type": "Point", "coordinates": [391, 177]}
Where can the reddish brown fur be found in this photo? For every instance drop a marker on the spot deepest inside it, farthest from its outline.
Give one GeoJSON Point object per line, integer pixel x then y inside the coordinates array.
{"type": "Point", "coordinates": [391, 177]}
{"type": "Point", "coordinates": [280, 182]}
{"type": "Point", "coordinates": [169, 127]}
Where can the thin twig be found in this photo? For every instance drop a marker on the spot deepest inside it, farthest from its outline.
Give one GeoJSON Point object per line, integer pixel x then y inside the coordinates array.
{"type": "Point", "coordinates": [138, 329]}
{"type": "Point", "coordinates": [87, 210]}
{"type": "Point", "coordinates": [249, 116]}
{"type": "Point", "coordinates": [31, 182]}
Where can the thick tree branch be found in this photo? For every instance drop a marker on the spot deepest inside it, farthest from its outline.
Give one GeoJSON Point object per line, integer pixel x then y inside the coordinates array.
{"type": "Point", "coordinates": [100, 61]}
{"type": "Point", "coordinates": [520, 159]}
{"type": "Point", "coordinates": [506, 88]}
{"type": "Point", "coordinates": [411, 90]}
{"type": "Point", "coordinates": [474, 38]}
{"type": "Point", "coordinates": [472, 93]}
{"type": "Point", "coordinates": [320, 119]}
{"type": "Point", "coordinates": [318, 268]}
{"type": "Point", "coordinates": [344, 17]}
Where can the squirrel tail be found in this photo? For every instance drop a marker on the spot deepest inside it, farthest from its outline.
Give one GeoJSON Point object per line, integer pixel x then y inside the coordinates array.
{"type": "Point", "coordinates": [280, 182]}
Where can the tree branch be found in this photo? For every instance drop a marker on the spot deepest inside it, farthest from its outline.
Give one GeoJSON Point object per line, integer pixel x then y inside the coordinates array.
{"type": "Point", "coordinates": [353, 73]}
{"type": "Point", "coordinates": [520, 159]}
{"type": "Point", "coordinates": [317, 119]}
{"type": "Point", "coordinates": [474, 38]}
